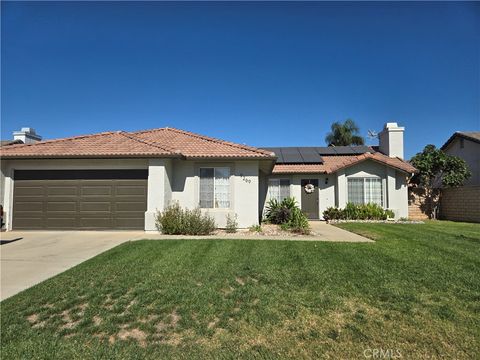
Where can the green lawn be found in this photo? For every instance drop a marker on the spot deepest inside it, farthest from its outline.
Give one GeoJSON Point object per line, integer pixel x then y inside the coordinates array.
{"type": "Point", "coordinates": [416, 291]}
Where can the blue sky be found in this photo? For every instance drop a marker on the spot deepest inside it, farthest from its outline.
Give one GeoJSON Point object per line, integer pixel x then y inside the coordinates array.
{"type": "Point", "coordinates": [257, 73]}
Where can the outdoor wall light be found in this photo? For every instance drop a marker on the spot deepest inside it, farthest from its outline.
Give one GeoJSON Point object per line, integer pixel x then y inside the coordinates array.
{"type": "Point", "coordinates": [326, 181]}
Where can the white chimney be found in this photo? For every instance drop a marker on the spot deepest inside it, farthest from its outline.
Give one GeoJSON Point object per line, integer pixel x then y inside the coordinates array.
{"type": "Point", "coordinates": [391, 140]}
{"type": "Point", "coordinates": [27, 135]}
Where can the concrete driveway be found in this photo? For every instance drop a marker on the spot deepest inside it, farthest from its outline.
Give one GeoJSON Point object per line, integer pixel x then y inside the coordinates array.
{"type": "Point", "coordinates": [29, 257]}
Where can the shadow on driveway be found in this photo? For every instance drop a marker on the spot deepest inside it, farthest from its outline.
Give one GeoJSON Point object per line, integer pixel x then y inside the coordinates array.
{"type": "Point", "coordinates": [5, 242]}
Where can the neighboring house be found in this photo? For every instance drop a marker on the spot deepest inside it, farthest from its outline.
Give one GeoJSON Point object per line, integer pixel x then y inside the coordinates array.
{"type": "Point", "coordinates": [466, 145]}
{"type": "Point", "coordinates": [118, 180]}
{"type": "Point", "coordinates": [463, 203]}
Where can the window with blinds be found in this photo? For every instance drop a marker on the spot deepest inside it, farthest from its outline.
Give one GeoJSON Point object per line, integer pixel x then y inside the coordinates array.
{"type": "Point", "coordinates": [215, 188]}
{"type": "Point", "coordinates": [278, 189]}
{"type": "Point", "coordinates": [365, 190]}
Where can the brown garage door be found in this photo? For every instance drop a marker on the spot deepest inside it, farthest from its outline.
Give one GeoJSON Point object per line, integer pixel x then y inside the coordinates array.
{"type": "Point", "coordinates": [80, 199]}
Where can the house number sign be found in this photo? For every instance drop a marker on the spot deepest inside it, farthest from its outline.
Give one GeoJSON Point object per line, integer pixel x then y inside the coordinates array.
{"type": "Point", "coordinates": [244, 178]}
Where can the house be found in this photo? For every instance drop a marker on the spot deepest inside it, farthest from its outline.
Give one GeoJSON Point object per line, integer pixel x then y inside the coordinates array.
{"type": "Point", "coordinates": [463, 203]}
{"type": "Point", "coordinates": [118, 180]}
{"type": "Point", "coordinates": [466, 145]}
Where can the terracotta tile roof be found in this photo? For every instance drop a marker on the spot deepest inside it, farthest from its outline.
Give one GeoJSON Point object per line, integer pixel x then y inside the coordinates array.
{"type": "Point", "coordinates": [299, 168]}
{"type": "Point", "coordinates": [165, 142]}
{"type": "Point", "coordinates": [332, 164]}
{"type": "Point", "coordinates": [192, 145]}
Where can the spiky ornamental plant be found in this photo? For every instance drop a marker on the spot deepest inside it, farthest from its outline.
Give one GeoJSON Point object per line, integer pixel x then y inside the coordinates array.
{"type": "Point", "coordinates": [436, 169]}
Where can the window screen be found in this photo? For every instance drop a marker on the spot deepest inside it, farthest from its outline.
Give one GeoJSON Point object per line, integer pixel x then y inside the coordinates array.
{"type": "Point", "coordinates": [373, 191]}
{"type": "Point", "coordinates": [278, 189]}
{"type": "Point", "coordinates": [365, 190]}
{"type": "Point", "coordinates": [356, 194]}
{"type": "Point", "coordinates": [215, 187]}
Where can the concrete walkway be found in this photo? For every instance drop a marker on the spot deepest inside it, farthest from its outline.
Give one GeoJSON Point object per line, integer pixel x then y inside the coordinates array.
{"type": "Point", "coordinates": [321, 231]}
{"type": "Point", "coordinates": [29, 257]}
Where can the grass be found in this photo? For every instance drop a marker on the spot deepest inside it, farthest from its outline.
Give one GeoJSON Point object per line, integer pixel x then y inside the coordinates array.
{"type": "Point", "coordinates": [415, 291]}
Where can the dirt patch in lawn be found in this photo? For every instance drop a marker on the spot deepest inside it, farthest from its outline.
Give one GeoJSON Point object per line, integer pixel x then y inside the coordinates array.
{"type": "Point", "coordinates": [135, 334]}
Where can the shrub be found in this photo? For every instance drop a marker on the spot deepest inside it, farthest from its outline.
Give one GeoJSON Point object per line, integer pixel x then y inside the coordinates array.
{"type": "Point", "coordinates": [298, 222]}
{"type": "Point", "coordinates": [255, 228]}
{"type": "Point", "coordinates": [287, 214]}
{"type": "Point", "coordinates": [177, 221]}
{"type": "Point", "coordinates": [368, 211]}
{"type": "Point", "coordinates": [232, 224]}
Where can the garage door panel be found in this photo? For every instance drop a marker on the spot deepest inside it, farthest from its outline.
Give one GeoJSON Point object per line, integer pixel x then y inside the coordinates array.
{"type": "Point", "coordinates": [129, 223]}
{"type": "Point", "coordinates": [130, 190]}
{"type": "Point", "coordinates": [96, 222]}
{"type": "Point", "coordinates": [61, 222]}
{"type": "Point", "coordinates": [63, 206]}
{"type": "Point", "coordinates": [122, 206]}
{"type": "Point", "coordinates": [71, 190]}
{"type": "Point", "coordinates": [30, 206]}
{"type": "Point", "coordinates": [89, 190]}
{"type": "Point", "coordinates": [30, 191]}
{"type": "Point", "coordinates": [69, 203]}
{"type": "Point", "coordinates": [30, 222]}
{"type": "Point", "coordinates": [96, 206]}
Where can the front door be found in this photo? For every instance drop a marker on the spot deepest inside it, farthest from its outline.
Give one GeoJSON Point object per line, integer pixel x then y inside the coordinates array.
{"type": "Point", "coordinates": [310, 198]}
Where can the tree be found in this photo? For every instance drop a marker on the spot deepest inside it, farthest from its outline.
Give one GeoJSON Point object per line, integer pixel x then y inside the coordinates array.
{"type": "Point", "coordinates": [344, 134]}
{"type": "Point", "coordinates": [436, 169]}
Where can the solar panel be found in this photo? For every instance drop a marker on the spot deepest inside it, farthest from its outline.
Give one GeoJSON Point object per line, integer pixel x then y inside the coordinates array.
{"type": "Point", "coordinates": [343, 150]}
{"type": "Point", "coordinates": [291, 155]}
{"type": "Point", "coordinates": [360, 149]}
{"type": "Point", "coordinates": [277, 152]}
{"type": "Point", "coordinates": [313, 155]}
{"type": "Point", "coordinates": [310, 155]}
{"type": "Point", "coordinates": [326, 150]}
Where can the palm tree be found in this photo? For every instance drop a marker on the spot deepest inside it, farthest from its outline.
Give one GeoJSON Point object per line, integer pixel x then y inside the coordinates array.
{"type": "Point", "coordinates": [344, 134]}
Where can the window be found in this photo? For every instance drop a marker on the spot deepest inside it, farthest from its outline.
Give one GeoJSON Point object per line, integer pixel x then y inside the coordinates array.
{"type": "Point", "coordinates": [365, 190]}
{"type": "Point", "coordinates": [215, 187]}
{"type": "Point", "coordinates": [462, 143]}
{"type": "Point", "coordinates": [278, 189]}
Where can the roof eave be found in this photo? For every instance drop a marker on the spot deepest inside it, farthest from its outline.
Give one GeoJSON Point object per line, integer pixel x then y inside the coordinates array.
{"type": "Point", "coordinates": [254, 157]}
{"type": "Point", "coordinates": [88, 156]}
{"type": "Point", "coordinates": [458, 134]}
{"type": "Point", "coordinates": [373, 159]}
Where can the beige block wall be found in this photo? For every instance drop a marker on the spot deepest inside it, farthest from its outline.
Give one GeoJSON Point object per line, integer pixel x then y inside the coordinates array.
{"type": "Point", "coordinates": [417, 205]}
{"type": "Point", "coordinates": [461, 204]}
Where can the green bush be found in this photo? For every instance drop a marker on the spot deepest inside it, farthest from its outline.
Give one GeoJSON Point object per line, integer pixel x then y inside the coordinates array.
{"type": "Point", "coordinates": [279, 212]}
{"type": "Point", "coordinates": [255, 228]}
{"type": "Point", "coordinates": [287, 214]}
{"type": "Point", "coordinates": [177, 221]}
{"type": "Point", "coordinates": [232, 224]}
{"type": "Point", "coordinates": [368, 211]}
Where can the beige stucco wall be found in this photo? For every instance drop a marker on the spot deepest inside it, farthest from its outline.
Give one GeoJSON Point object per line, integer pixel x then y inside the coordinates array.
{"type": "Point", "coordinates": [334, 191]}
{"type": "Point", "coordinates": [471, 154]}
{"type": "Point", "coordinates": [159, 189]}
{"type": "Point", "coordinates": [244, 189]}
{"type": "Point", "coordinates": [394, 185]}
{"type": "Point", "coordinates": [169, 180]}
{"type": "Point", "coordinates": [3, 166]}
